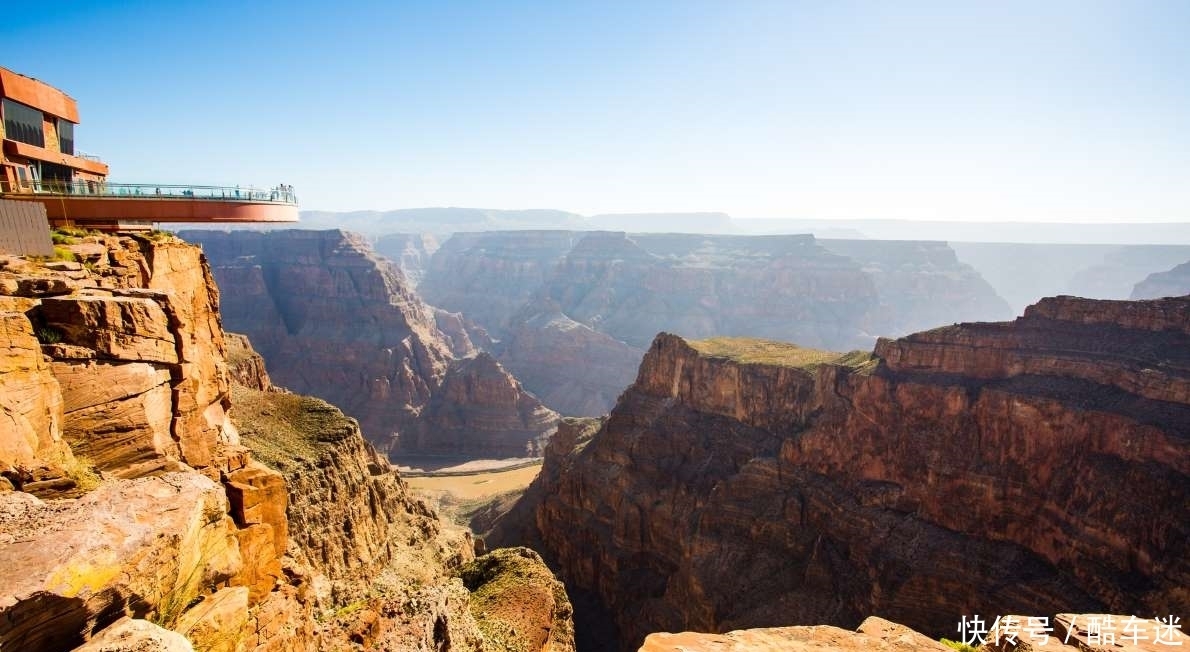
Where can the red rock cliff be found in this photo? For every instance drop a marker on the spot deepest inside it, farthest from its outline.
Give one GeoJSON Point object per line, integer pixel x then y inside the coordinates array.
{"type": "Point", "coordinates": [1036, 466]}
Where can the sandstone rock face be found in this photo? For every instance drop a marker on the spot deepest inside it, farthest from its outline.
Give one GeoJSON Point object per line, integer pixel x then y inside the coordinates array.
{"type": "Point", "coordinates": [30, 396]}
{"type": "Point", "coordinates": [1027, 467]}
{"type": "Point", "coordinates": [142, 546]}
{"type": "Point", "coordinates": [1067, 632]}
{"type": "Point", "coordinates": [1174, 283]}
{"type": "Point", "coordinates": [873, 634]}
{"type": "Point", "coordinates": [136, 350]}
{"type": "Point", "coordinates": [132, 635]}
{"type": "Point", "coordinates": [350, 516]}
{"type": "Point", "coordinates": [244, 364]}
{"type": "Point", "coordinates": [572, 313]}
{"type": "Point", "coordinates": [127, 369]}
{"type": "Point", "coordinates": [333, 320]}
{"type": "Point", "coordinates": [184, 527]}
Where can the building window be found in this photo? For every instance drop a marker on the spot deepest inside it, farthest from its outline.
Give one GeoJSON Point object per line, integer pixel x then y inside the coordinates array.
{"type": "Point", "coordinates": [66, 137]}
{"type": "Point", "coordinates": [23, 123]}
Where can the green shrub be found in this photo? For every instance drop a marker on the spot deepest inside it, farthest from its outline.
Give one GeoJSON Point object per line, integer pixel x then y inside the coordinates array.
{"type": "Point", "coordinates": [958, 645]}
{"type": "Point", "coordinates": [62, 253]}
{"type": "Point", "coordinates": [49, 335]}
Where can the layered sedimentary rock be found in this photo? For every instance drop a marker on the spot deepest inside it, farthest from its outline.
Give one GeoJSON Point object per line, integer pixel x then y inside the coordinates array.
{"type": "Point", "coordinates": [353, 522]}
{"type": "Point", "coordinates": [1173, 283]}
{"type": "Point", "coordinates": [572, 367]}
{"type": "Point", "coordinates": [182, 540]}
{"type": "Point", "coordinates": [921, 285]}
{"type": "Point", "coordinates": [404, 575]}
{"type": "Point", "coordinates": [479, 409]}
{"type": "Point", "coordinates": [128, 365]}
{"type": "Point", "coordinates": [135, 350]}
{"type": "Point", "coordinates": [1062, 632]}
{"type": "Point", "coordinates": [334, 320]}
{"type": "Point", "coordinates": [1035, 466]}
{"type": "Point", "coordinates": [764, 286]}
{"type": "Point", "coordinates": [244, 364]}
{"type": "Point", "coordinates": [490, 276]}
{"type": "Point", "coordinates": [573, 312]}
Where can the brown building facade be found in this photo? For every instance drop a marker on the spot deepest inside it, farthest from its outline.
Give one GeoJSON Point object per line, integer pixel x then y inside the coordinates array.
{"type": "Point", "coordinates": [37, 126]}
{"type": "Point", "coordinates": [39, 163]}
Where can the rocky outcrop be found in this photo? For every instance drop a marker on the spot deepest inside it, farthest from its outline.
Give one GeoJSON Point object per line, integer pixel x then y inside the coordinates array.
{"type": "Point", "coordinates": [381, 560]}
{"type": "Point", "coordinates": [873, 634]}
{"type": "Point", "coordinates": [244, 364]}
{"type": "Point", "coordinates": [324, 548]}
{"type": "Point", "coordinates": [333, 320]}
{"type": "Point", "coordinates": [30, 396]}
{"type": "Point", "coordinates": [1024, 467]}
{"type": "Point", "coordinates": [518, 603]}
{"type": "Point", "coordinates": [352, 521]}
{"type": "Point", "coordinates": [1173, 283]}
{"type": "Point", "coordinates": [147, 545]}
{"type": "Point", "coordinates": [133, 635]}
{"type": "Point", "coordinates": [135, 350]}
{"type": "Point", "coordinates": [128, 360]}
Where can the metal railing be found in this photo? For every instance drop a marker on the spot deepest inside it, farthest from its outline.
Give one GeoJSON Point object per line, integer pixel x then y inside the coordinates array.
{"type": "Point", "coordinates": [278, 194]}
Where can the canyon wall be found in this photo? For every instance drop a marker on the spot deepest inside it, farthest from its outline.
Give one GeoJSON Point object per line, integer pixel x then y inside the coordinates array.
{"type": "Point", "coordinates": [134, 515]}
{"type": "Point", "coordinates": [127, 490]}
{"type": "Point", "coordinates": [573, 312]}
{"type": "Point", "coordinates": [921, 285]}
{"type": "Point", "coordinates": [1034, 466]}
{"type": "Point", "coordinates": [334, 320]}
{"type": "Point", "coordinates": [1172, 283]}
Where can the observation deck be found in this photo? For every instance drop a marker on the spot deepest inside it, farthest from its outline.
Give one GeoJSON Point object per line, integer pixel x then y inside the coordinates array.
{"type": "Point", "coordinates": [104, 205]}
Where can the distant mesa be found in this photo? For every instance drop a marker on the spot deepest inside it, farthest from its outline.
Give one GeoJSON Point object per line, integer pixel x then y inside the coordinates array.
{"type": "Point", "coordinates": [571, 312]}
{"type": "Point", "coordinates": [1173, 283]}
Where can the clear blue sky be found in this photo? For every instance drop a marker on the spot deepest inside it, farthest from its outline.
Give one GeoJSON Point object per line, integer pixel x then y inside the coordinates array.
{"type": "Point", "coordinates": [1039, 110]}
